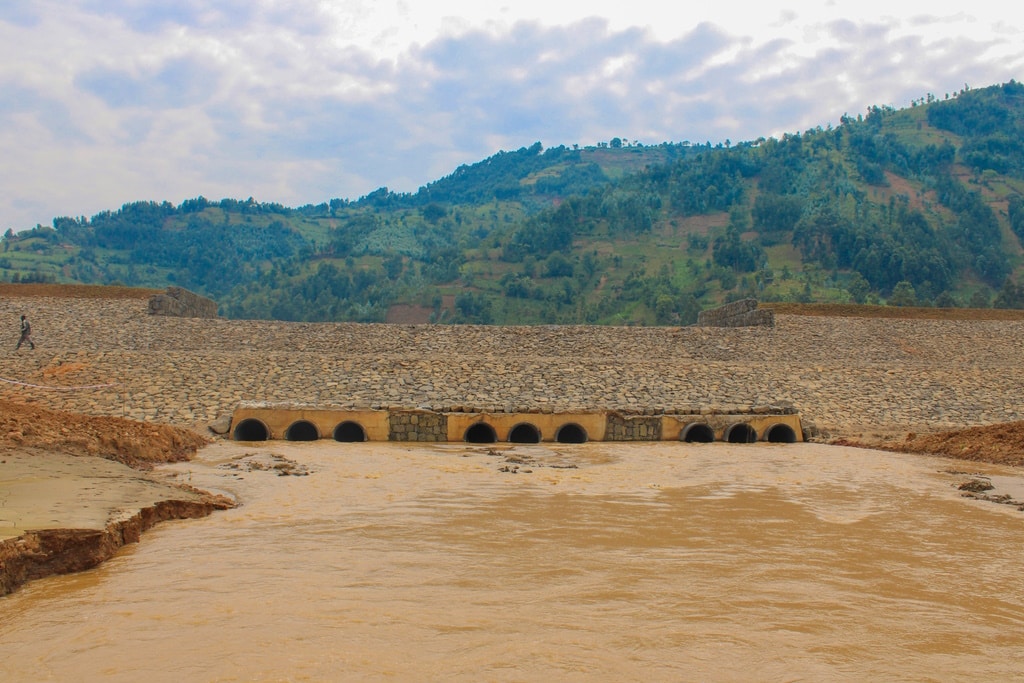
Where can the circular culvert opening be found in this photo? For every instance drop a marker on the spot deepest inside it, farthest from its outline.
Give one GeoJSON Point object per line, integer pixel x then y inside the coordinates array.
{"type": "Point", "coordinates": [251, 430]}
{"type": "Point", "coordinates": [571, 433]}
{"type": "Point", "coordinates": [741, 433]}
{"type": "Point", "coordinates": [698, 433]}
{"type": "Point", "coordinates": [481, 432]}
{"type": "Point", "coordinates": [303, 430]}
{"type": "Point", "coordinates": [524, 433]}
{"type": "Point", "coordinates": [349, 431]}
{"type": "Point", "coordinates": [780, 433]}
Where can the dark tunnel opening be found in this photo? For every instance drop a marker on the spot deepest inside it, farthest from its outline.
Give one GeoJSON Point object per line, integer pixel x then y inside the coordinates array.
{"type": "Point", "coordinates": [780, 433]}
{"type": "Point", "coordinates": [524, 433]}
{"type": "Point", "coordinates": [302, 430]}
{"type": "Point", "coordinates": [481, 432]}
{"type": "Point", "coordinates": [741, 433]}
{"type": "Point", "coordinates": [349, 432]}
{"type": "Point", "coordinates": [571, 433]}
{"type": "Point", "coordinates": [251, 430]}
{"type": "Point", "coordinates": [698, 433]}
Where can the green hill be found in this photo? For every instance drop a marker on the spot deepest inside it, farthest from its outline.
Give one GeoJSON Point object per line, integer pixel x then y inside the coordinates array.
{"type": "Point", "coordinates": [918, 206]}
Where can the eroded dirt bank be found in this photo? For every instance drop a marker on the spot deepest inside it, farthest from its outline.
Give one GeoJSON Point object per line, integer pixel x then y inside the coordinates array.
{"type": "Point", "coordinates": [48, 552]}
{"type": "Point", "coordinates": [998, 444]}
{"type": "Point", "coordinates": [74, 488]}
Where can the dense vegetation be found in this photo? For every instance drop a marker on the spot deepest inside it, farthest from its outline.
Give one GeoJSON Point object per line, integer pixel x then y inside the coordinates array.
{"type": "Point", "coordinates": [919, 206]}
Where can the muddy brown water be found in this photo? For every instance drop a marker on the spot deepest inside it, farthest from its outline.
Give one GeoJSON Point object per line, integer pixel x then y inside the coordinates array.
{"type": "Point", "coordinates": [593, 562]}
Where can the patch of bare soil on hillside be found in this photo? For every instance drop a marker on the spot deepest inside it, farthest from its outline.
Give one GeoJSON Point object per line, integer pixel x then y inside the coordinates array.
{"type": "Point", "coordinates": [136, 444]}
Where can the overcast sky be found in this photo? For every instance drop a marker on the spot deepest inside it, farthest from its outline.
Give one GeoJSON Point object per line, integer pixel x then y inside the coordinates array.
{"type": "Point", "coordinates": [103, 102]}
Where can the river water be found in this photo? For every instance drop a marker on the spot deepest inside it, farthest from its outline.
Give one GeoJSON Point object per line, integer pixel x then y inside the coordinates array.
{"type": "Point", "coordinates": [592, 562]}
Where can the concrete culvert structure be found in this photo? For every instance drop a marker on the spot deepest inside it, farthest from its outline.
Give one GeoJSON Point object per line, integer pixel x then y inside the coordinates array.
{"type": "Point", "coordinates": [524, 433]}
{"type": "Point", "coordinates": [571, 433]}
{"type": "Point", "coordinates": [349, 431]}
{"type": "Point", "coordinates": [302, 430]}
{"type": "Point", "coordinates": [741, 433]}
{"type": "Point", "coordinates": [251, 430]}
{"type": "Point", "coordinates": [698, 432]}
{"type": "Point", "coordinates": [481, 432]}
{"type": "Point", "coordinates": [780, 433]}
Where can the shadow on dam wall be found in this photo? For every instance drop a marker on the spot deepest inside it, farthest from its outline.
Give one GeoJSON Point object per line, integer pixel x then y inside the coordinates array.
{"type": "Point", "coordinates": [292, 423]}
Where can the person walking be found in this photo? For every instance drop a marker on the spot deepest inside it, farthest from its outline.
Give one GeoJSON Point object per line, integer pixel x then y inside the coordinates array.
{"type": "Point", "coordinates": [26, 334]}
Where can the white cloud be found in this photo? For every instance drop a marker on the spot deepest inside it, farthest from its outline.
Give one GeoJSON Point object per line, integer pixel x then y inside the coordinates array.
{"type": "Point", "coordinates": [295, 101]}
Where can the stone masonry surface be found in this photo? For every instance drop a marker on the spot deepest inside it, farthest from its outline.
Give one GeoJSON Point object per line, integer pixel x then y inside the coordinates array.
{"type": "Point", "coordinates": [846, 376]}
{"type": "Point", "coordinates": [182, 303]}
{"type": "Point", "coordinates": [742, 313]}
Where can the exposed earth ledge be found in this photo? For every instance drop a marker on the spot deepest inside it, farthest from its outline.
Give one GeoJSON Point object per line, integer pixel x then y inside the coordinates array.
{"type": "Point", "coordinates": [48, 552]}
{"type": "Point", "coordinates": [75, 488]}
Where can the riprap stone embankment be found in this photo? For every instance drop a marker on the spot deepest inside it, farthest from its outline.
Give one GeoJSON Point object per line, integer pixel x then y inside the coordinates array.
{"type": "Point", "coordinates": [846, 376]}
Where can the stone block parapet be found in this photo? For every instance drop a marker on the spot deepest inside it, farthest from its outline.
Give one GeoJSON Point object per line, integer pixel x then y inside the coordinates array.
{"type": "Point", "coordinates": [633, 427]}
{"type": "Point", "coordinates": [182, 303]}
{"type": "Point", "coordinates": [417, 425]}
{"type": "Point", "coordinates": [742, 313]}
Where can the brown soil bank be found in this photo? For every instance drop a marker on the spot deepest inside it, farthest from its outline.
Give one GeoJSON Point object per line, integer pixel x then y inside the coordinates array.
{"type": "Point", "coordinates": [51, 466]}
{"type": "Point", "coordinates": [136, 444]}
{"type": "Point", "coordinates": [1001, 444]}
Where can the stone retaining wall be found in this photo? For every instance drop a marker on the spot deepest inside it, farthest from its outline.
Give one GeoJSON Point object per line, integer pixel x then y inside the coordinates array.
{"type": "Point", "coordinates": [418, 425]}
{"type": "Point", "coordinates": [633, 428]}
{"type": "Point", "coordinates": [743, 313]}
{"type": "Point", "coordinates": [182, 303]}
{"type": "Point", "coordinates": [846, 376]}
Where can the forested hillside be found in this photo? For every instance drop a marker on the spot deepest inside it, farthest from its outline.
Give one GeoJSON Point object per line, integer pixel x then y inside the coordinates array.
{"type": "Point", "coordinates": [919, 206]}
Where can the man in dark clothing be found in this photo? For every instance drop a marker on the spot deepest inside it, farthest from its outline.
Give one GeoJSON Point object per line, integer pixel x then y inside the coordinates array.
{"type": "Point", "coordinates": [26, 334]}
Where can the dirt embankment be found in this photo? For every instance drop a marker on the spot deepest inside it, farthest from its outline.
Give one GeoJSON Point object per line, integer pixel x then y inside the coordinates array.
{"type": "Point", "coordinates": [1001, 444]}
{"type": "Point", "coordinates": [136, 444]}
{"type": "Point", "coordinates": [31, 432]}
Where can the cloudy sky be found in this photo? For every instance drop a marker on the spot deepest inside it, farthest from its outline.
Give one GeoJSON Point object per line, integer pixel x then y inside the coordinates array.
{"type": "Point", "coordinates": [103, 102]}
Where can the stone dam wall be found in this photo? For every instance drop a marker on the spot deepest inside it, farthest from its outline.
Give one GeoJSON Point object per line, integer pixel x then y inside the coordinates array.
{"type": "Point", "coordinates": [844, 376]}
